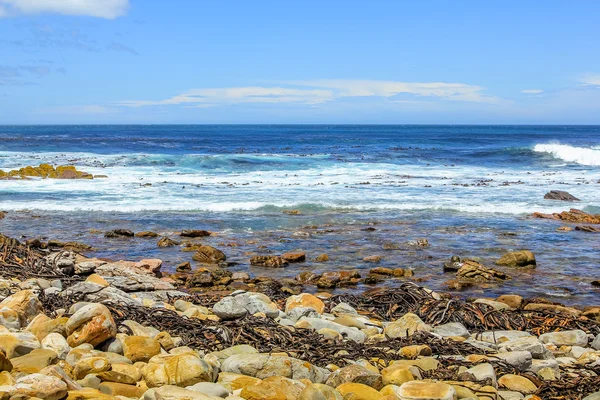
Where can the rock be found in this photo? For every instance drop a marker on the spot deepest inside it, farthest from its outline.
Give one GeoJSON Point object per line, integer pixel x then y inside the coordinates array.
{"type": "Point", "coordinates": [194, 233]}
{"type": "Point", "coordinates": [496, 305]}
{"type": "Point", "coordinates": [521, 258]}
{"type": "Point", "coordinates": [5, 364]}
{"type": "Point", "coordinates": [166, 242]}
{"type": "Point", "coordinates": [396, 375]}
{"type": "Point", "coordinates": [121, 389]}
{"type": "Point", "coordinates": [358, 391]}
{"type": "Point", "coordinates": [232, 307]}
{"type": "Point", "coordinates": [184, 369]}
{"type": "Point", "coordinates": [268, 261]}
{"type": "Point", "coordinates": [322, 258]}
{"type": "Point", "coordinates": [452, 329]}
{"type": "Point", "coordinates": [406, 326]}
{"type": "Point", "coordinates": [566, 338]}
{"type": "Point", "coordinates": [146, 234]}
{"type": "Point", "coordinates": [140, 330]}
{"type": "Point", "coordinates": [18, 344]}
{"type": "Point", "coordinates": [263, 391]}
{"type": "Point", "coordinates": [41, 386]}
{"type": "Point", "coordinates": [356, 374]}
{"type": "Point", "coordinates": [319, 323]}
{"type": "Point", "coordinates": [169, 392]}
{"type": "Point", "coordinates": [91, 324]}
{"type": "Point", "coordinates": [500, 336]}
{"type": "Point", "coordinates": [474, 271]}
{"type": "Point", "coordinates": [266, 365]}
{"type": "Point", "coordinates": [420, 390]}
{"type": "Point", "coordinates": [305, 300]}
{"type": "Point", "coordinates": [210, 389]}
{"type": "Point", "coordinates": [560, 195]}
{"type": "Point", "coordinates": [294, 256]}
{"type": "Point", "coordinates": [91, 365]}
{"type": "Point", "coordinates": [209, 255]}
{"type": "Point", "coordinates": [25, 303]}
{"type": "Point", "coordinates": [528, 343]}
{"type": "Point", "coordinates": [596, 343]}
{"type": "Point", "coordinates": [119, 233]}
{"type": "Point", "coordinates": [573, 215]}
{"type": "Point", "coordinates": [587, 228]}
{"type": "Point", "coordinates": [484, 373]}
{"type": "Point", "coordinates": [34, 361]}
{"type": "Point", "coordinates": [373, 259]}
{"type": "Point", "coordinates": [521, 360]}
{"type": "Point", "coordinates": [512, 300]}
{"type": "Point", "coordinates": [343, 309]}
{"type": "Point", "coordinates": [140, 348]}
{"type": "Point", "coordinates": [517, 383]}
{"type": "Point", "coordinates": [183, 267]}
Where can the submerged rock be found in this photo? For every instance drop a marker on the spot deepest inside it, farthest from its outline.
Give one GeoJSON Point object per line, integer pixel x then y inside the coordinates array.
{"type": "Point", "coordinates": [194, 233]}
{"type": "Point", "coordinates": [477, 272]}
{"type": "Point", "coordinates": [268, 261]}
{"type": "Point", "coordinates": [209, 255]}
{"type": "Point", "coordinates": [119, 233]}
{"type": "Point", "coordinates": [521, 258]}
{"type": "Point", "coordinates": [573, 215]}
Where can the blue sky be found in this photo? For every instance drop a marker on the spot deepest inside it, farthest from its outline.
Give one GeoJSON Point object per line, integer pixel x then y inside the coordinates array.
{"type": "Point", "coordinates": [196, 61]}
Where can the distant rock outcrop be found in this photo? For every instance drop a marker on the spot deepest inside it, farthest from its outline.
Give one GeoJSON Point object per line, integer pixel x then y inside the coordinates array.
{"type": "Point", "coordinates": [560, 195]}
{"type": "Point", "coordinates": [46, 171]}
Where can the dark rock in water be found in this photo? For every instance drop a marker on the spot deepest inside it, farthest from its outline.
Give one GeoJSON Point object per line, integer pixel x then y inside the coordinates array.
{"type": "Point", "coordinates": [588, 228]}
{"type": "Point", "coordinates": [477, 272]}
{"type": "Point", "coordinates": [596, 283]}
{"type": "Point", "coordinates": [322, 258]}
{"type": "Point", "coordinates": [209, 255]}
{"type": "Point", "coordinates": [184, 266]}
{"type": "Point", "coordinates": [166, 242]}
{"type": "Point", "coordinates": [332, 279]}
{"type": "Point", "coordinates": [521, 258]}
{"type": "Point", "coordinates": [119, 233]}
{"type": "Point", "coordinates": [560, 195]}
{"type": "Point", "coordinates": [294, 256]}
{"type": "Point", "coordinates": [268, 261]}
{"type": "Point", "coordinates": [453, 265]}
{"type": "Point", "coordinates": [147, 234]}
{"type": "Point", "coordinates": [194, 233]}
{"type": "Point", "coordinates": [77, 246]}
{"type": "Point", "coordinates": [458, 285]}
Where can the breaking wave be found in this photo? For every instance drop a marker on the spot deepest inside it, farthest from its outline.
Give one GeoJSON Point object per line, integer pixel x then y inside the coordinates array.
{"type": "Point", "coordinates": [578, 155]}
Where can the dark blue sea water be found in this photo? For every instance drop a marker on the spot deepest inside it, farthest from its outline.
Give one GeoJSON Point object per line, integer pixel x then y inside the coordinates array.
{"type": "Point", "coordinates": [463, 187]}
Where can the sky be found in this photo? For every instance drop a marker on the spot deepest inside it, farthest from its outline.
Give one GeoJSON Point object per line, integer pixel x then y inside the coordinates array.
{"type": "Point", "coordinates": [240, 61]}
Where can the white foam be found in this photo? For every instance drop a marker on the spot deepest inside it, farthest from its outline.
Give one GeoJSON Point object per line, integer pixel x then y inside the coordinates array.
{"type": "Point", "coordinates": [579, 155]}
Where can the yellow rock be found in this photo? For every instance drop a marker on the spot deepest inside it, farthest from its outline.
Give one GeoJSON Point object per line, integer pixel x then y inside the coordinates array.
{"type": "Point", "coordinates": [6, 379]}
{"type": "Point", "coordinates": [330, 333]}
{"type": "Point", "coordinates": [426, 390]}
{"type": "Point", "coordinates": [25, 303]}
{"type": "Point", "coordinates": [425, 363]}
{"type": "Point", "coordinates": [415, 351]}
{"type": "Point", "coordinates": [34, 361]}
{"type": "Point", "coordinates": [98, 280]}
{"type": "Point", "coordinates": [165, 340]}
{"type": "Point", "coordinates": [91, 324]}
{"type": "Point", "coordinates": [89, 394]}
{"type": "Point", "coordinates": [41, 326]}
{"type": "Point", "coordinates": [179, 370]}
{"type": "Point", "coordinates": [305, 300]}
{"type": "Point", "coordinates": [358, 391]}
{"type": "Point", "coordinates": [396, 375]}
{"type": "Point", "coordinates": [263, 391]}
{"type": "Point", "coordinates": [120, 389]}
{"type": "Point", "coordinates": [140, 348]}
{"type": "Point", "coordinates": [235, 381]}
{"type": "Point", "coordinates": [389, 390]}
{"type": "Point", "coordinates": [517, 383]}
{"type": "Point", "coordinates": [91, 365]}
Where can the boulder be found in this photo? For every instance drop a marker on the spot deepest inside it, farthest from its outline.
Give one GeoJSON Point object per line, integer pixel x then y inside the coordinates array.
{"type": "Point", "coordinates": [209, 255]}
{"type": "Point", "coordinates": [119, 233]}
{"type": "Point", "coordinates": [517, 383]}
{"type": "Point", "coordinates": [194, 233]}
{"type": "Point", "coordinates": [483, 373]}
{"type": "Point", "coordinates": [358, 391]}
{"type": "Point", "coordinates": [320, 323]}
{"type": "Point", "coordinates": [166, 242]}
{"type": "Point", "coordinates": [452, 329]}
{"type": "Point", "coordinates": [305, 300]}
{"type": "Point", "coordinates": [140, 348]}
{"type": "Point", "coordinates": [560, 195]}
{"type": "Point", "coordinates": [91, 324]}
{"type": "Point", "coordinates": [238, 305]}
{"type": "Point", "coordinates": [472, 270]}
{"type": "Point", "coordinates": [396, 375]}
{"type": "Point", "coordinates": [184, 369]}
{"type": "Point", "coordinates": [146, 234]}
{"type": "Point", "coordinates": [521, 258]}
{"type": "Point", "coordinates": [121, 389]}
{"type": "Point", "coordinates": [41, 386]}
{"type": "Point", "coordinates": [420, 390]}
{"type": "Point", "coordinates": [25, 303]}
{"type": "Point", "coordinates": [566, 338]}
{"type": "Point", "coordinates": [406, 326]}
{"type": "Point", "coordinates": [268, 261]}
{"type": "Point", "coordinates": [356, 374]}
{"type": "Point", "coordinates": [265, 365]}
{"type": "Point", "coordinates": [294, 256]}
{"type": "Point", "coordinates": [34, 361]}
{"type": "Point", "coordinates": [170, 392]}
{"type": "Point", "coordinates": [573, 215]}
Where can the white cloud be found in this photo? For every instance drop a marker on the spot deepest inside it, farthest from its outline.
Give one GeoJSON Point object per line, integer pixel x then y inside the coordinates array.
{"type": "Point", "coordinates": [320, 91]}
{"type": "Point", "coordinates": [78, 110]}
{"type": "Point", "coordinates": [109, 9]}
{"type": "Point", "coordinates": [590, 80]}
{"type": "Point", "coordinates": [532, 91]}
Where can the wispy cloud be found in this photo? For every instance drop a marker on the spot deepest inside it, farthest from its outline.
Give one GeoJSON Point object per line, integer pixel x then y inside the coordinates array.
{"type": "Point", "coordinates": [21, 74]}
{"type": "Point", "coordinates": [78, 110]}
{"type": "Point", "coordinates": [532, 91]}
{"type": "Point", "coordinates": [109, 9]}
{"type": "Point", "coordinates": [114, 46]}
{"type": "Point", "coordinates": [320, 91]}
{"type": "Point", "coordinates": [590, 80]}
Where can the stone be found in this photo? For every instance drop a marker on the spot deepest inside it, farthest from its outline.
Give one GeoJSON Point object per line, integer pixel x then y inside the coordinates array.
{"type": "Point", "coordinates": [146, 234]}
{"type": "Point", "coordinates": [596, 342]}
{"type": "Point", "coordinates": [406, 326]}
{"type": "Point", "coordinates": [140, 348]}
{"type": "Point", "coordinates": [166, 242]}
{"type": "Point", "coordinates": [268, 261]}
{"type": "Point", "coordinates": [230, 351]}
{"type": "Point", "coordinates": [528, 343]}
{"type": "Point", "coordinates": [560, 195]}
{"type": "Point", "coordinates": [209, 255]}
{"type": "Point", "coordinates": [512, 300]}
{"type": "Point", "coordinates": [420, 390]}
{"type": "Point", "coordinates": [294, 256]}
{"type": "Point", "coordinates": [356, 374]}
{"type": "Point", "coordinates": [41, 386]}
{"type": "Point", "coordinates": [484, 373]}
{"type": "Point", "coordinates": [141, 330]}
{"type": "Point", "coordinates": [472, 270]}
{"type": "Point", "coordinates": [521, 360]}
{"type": "Point", "coordinates": [358, 391]}
{"type": "Point", "coordinates": [238, 305]}
{"type": "Point", "coordinates": [322, 258]}
{"type": "Point", "coordinates": [180, 370]}
{"type": "Point", "coordinates": [573, 215]}
{"type": "Point", "coordinates": [517, 383]}
{"type": "Point", "coordinates": [396, 375]}
{"type": "Point", "coordinates": [266, 365]}
{"type": "Point", "coordinates": [34, 361]}
{"type": "Point", "coordinates": [320, 323]}
{"type": "Point", "coordinates": [91, 365]}
{"type": "Point", "coordinates": [521, 258]}
{"type": "Point", "coordinates": [496, 305]}
{"type": "Point", "coordinates": [501, 336]}
{"type": "Point", "coordinates": [121, 389]}
{"type": "Point", "coordinates": [263, 391]}
{"type": "Point", "coordinates": [343, 309]}
{"type": "Point", "coordinates": [552, 307]}
{"type": "Point", "coordinates": [5, 364]}
{"type": "Point", "coordinates": [305, 300]}
{"type": "Point", "coordinates": [311, 392]}
{"type": "Point", "coordinates": [25, 303]}
{"type": "Point", "coordinates": [452, 329]}
{"type": "Point", "coordinates": [119, 233]}
{"type": "Point", "coordinates": [10, 319]}
{"type": "Point", "coordinates": [89, 394]}
{"type": "Point", "coordinates": [194, 233]}
{"type": "Point", "coordinates": [169, 392]}
{"type": "Point", "coordinates": [210, 389]}
{"type": "Point", "coordinates": [91, 324]}
{"type": "Point", "coordinates": [423, 363]}
{"type": "Point", "coordinates": [566, 338]}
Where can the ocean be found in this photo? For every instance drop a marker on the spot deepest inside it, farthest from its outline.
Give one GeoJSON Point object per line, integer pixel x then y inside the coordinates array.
{"type": "Point", "coordinates": [470, 190]}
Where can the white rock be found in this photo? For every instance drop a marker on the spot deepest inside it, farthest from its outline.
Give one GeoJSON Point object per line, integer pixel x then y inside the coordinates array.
{"type": "Point", "coordinates": [452, 329]}
{"type": "Point", "coordinates": [42, 386]}
{"type": "Point", "coordinates": [481, 372]}
{"type": "Point", "coordinates": [211, 389]}
{"type": "Point", "coordinates": [348, 332]}
{"type": "Point", "coordinates": [57, 343]}
{"type": "Point", "coordinates": [596, 343]}
{"type": "Point", "coordinates": [575, 337]}
{"type": "Point", "coordinates": [518, 359]}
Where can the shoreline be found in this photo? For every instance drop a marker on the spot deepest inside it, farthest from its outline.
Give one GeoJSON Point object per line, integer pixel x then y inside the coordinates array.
{"type": "Point", "coordinates": [383, 343]}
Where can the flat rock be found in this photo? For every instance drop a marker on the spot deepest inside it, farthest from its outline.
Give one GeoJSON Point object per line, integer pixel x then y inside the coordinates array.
{"type": "Point", "coordinates": [560, 195]}
{"type": "Point", "coordinates": [406, 326]}
{"type": "Point", "coordinates": [566, 338]}
{"type": "Point", "coordinates": [265, 365]}
{"type": "Point", "coordinates": [356, 374]}
{"type": "Point", "coordinates": [419, 390]}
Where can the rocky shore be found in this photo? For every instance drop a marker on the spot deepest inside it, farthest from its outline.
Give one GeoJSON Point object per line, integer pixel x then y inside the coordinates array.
{"type": "Point", "coordinates": [85, 328]}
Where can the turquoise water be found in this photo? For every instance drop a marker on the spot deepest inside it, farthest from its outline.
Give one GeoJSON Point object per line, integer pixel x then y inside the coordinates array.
{"type": "Point", "coordinates": [462, 187]}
